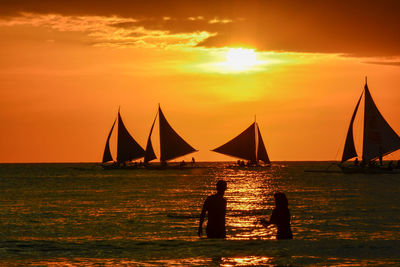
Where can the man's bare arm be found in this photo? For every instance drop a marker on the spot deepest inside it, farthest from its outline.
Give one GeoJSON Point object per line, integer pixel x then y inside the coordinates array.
{"type": "Point", "coordinates": [202, 216]}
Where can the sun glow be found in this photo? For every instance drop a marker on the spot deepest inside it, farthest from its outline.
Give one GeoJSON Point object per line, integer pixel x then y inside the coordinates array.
{"type": "Point", "coordinates": [241, 59]}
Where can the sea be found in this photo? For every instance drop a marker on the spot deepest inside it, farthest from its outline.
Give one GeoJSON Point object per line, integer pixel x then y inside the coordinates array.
{"type": "Point", "coordinates": [81, 215]}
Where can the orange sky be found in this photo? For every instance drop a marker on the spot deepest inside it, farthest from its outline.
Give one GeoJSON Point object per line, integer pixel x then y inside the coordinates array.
{"type": "Point", "coordinates": [66, 68]}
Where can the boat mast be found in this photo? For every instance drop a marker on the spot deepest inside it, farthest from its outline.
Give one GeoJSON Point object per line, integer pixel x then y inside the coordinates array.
{"type": "Point", "coordinates": [256, 137]}
{"type": "Point", "coordinates": [365, 117]}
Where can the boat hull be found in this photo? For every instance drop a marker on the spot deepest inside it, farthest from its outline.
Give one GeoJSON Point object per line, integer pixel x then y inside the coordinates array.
{"type": "Point", "coordinates": [369, 170]}
{"type": "Point", "coordinates": [121, 167]}
{"type": "Point", "coordinates": [251, 167]}
{"type": "Point", "coordinates": [149, 167]}
{"type": "Point", "coordinates": [171, 167]}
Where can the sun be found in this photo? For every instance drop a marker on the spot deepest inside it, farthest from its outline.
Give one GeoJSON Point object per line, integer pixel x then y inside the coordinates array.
{"type": "Point", "coordinates": [241, 59]}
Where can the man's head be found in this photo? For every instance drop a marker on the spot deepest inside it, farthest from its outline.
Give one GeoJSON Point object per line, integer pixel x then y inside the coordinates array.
{"type": "Point", "coordinates": [221, 186]}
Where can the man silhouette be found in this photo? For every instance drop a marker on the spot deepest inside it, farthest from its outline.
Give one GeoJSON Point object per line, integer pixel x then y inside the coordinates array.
{"type": "Point", "coordinates": [215, 206]}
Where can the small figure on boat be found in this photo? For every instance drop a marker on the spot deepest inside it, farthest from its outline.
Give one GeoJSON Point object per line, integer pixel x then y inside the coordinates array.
{"type": "Point", "coordinates": [280, 217]}
{"type": "Point", "coordinates": [390, 165]}
{"type": "Point", "coordinates": [372, 164]}
{"type": "Point", "coordinates": [241, 163]}
{"type": "Point", "coordinates": [182, 164]}
{"type": "Point", "coordinates": [356, 162]}
{"type": "Point", "coordinates": [362, 164]}
{"type": "Point", "coordinates": [215, 206]}
{"type": "Point", "coordinates": [252, 163]}
{"type": "Point", "coordinates": [193, 161]}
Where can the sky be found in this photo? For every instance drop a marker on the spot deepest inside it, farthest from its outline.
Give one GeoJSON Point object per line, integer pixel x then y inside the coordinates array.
{"type": "Point", "coordinates": [67, 66]}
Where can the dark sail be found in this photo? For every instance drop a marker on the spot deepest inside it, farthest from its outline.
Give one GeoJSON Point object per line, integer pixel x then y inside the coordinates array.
{"type": "Point", "coordinates": [379, 138]}
{"type": "Point", "coordinates": [349, 150]}
{"type": "Point", "coordinates": [171, 144]}
{"type": "Point", "coordinates": [149, 154]}
{"type": "Point", "coordinates": [107, 153]}
{"type": "Point", "coordinates": [242, 146]}
{"type": "Point", "coordinates": [127, 148]}
{"type": "Point", "coordinates": [262, 152]}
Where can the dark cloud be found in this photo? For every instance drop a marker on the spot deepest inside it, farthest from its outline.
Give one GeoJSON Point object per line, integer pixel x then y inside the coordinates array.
{"type": "Point", "coordinates": [353, 27]}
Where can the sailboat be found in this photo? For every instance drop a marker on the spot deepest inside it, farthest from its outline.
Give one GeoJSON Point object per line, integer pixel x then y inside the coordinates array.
{"type": "Point", "coordinates": [172, 145]}
{"type": "Point", "coordinates": [248, 145]}
{"type": "Point", "coordinates": [379, 139]}
{"type": "Point", "coordinates": [127, 148]}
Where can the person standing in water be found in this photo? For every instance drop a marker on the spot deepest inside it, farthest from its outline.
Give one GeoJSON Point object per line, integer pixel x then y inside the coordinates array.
{"type": "Point", "coordinates": [280, 217]}
{"type": "Point", "coordinates": [215, 206]}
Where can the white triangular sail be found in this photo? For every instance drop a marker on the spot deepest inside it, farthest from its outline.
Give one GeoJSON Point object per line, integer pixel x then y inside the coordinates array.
{"type": "Point", "coordinates": [242, 146]}
{"type": "Point", "coordinates": [171, 144]}
{"type": "Point", "coordinates": [349, 150]}
{"type": "Point", "coordinates": [149, 153]}
{"type": "Point", "coordinates": [261, 151]}
{"type": "Point", "coordinates": [107, 153]}
{"type": "Point", "coordinates": [127, 147]}
{"type": "Point", "coordinates": [379, 138]}
{"type": "Point", "coordinates": [247, 145]}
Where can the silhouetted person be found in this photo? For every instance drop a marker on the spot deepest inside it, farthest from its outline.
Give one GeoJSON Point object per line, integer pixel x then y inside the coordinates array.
{"type": "Point", "coordinates": [280, 217]}
{"type": "Point", "coordinates": [193, 160]}
{"type": "Point", "coordinates": [356, 162]}
{"type": "Point", "coordinates": [390, 165]}
{"type": "Point", "coordinates": [215, 206]}
{"type": "Point", "coordinates": [372, 164]}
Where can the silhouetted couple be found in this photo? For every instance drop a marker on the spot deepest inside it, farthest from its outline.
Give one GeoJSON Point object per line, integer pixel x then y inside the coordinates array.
{"type": "Point", "coordinates": [215, 206]}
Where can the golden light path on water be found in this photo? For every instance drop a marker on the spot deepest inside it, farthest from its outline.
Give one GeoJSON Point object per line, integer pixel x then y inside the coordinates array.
{"type": "Point", "coordinates": [250, 199]}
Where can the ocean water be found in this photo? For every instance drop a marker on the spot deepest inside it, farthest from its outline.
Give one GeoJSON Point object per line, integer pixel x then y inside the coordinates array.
{"type": "Point", "coordinates": [82, 215]}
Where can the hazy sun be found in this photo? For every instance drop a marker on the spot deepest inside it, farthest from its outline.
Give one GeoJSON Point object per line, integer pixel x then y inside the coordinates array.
{"type": "Point", "coordinates": [240, 58]}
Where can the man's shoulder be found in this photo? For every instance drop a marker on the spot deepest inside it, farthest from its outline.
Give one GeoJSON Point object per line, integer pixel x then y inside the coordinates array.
{"type": "Point", "coordinates": [215, 197]}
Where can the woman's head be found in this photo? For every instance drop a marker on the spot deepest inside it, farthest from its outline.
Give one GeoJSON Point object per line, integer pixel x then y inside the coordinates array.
{"type": "Point", "coordinates": [281, 200]}
{"type": "Point", "coordinates": [221, 186]}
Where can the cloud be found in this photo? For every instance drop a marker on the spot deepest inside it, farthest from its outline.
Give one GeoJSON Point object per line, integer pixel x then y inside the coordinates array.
{"type": "Point", "coordinates": [352, 27]}
{"type": "Point", "coordinates": [110, 31]}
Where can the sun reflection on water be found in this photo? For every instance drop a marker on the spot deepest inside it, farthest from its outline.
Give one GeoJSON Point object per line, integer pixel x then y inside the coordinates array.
{"type": "Point", "coordinates": [249, 197]}
{"type": "Point", "coordinates": [245, 261]}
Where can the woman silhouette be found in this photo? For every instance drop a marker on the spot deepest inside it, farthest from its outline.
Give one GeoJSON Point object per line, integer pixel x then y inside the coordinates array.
{"type": "Point", "coordinates": [280, 217]}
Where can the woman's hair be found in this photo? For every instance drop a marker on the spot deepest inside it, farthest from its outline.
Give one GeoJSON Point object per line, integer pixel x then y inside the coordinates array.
{"type": "Point", "coordinates": [281, 200]}
{"type": "Point", "coordinates": [221, 186]}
